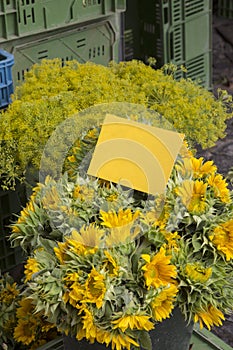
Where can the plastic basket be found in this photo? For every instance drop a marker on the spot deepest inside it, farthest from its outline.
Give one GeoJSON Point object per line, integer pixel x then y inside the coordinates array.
{"type": "Point", "coordinates": [6, 83]}
{"type": "Point", "coordinates": [26, 17]}
{"type": "Point", "coordinates": [202, 339]}
{"type": "Point", "coordinates": [98, 42]}
{"type": "Point", "coordinates": [225, 8]}
{"type": "Point", "coordinates": [177, 31]}
{"type": "Point", "coordinates": [10, 204]}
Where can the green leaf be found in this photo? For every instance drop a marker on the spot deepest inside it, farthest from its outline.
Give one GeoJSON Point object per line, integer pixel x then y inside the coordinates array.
{"type": "Point", "coordinates": [145, 341]}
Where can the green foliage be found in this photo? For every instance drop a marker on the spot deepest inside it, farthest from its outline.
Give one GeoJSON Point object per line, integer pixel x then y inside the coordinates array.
{"type": "Point", "coordinates": [52, 93]}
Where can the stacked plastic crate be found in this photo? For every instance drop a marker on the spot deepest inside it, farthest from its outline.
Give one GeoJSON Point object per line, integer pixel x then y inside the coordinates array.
{"type": "Point", "coordinates": [86, 30]}
{"type": "Point", "coordinates": [179, 31]}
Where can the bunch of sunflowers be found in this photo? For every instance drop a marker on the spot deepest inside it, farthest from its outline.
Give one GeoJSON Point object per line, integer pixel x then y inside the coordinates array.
{"type": "Point", "coordinates": [108, 263]}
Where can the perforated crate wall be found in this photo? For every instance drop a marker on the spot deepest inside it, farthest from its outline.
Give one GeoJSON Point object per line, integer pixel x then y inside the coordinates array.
{"type": "Point", "coordinates": [26, 17]}
{"type": "Point", "coordinates": [225, 8]}
{"type": "Point", "coordinates": [98, 42]}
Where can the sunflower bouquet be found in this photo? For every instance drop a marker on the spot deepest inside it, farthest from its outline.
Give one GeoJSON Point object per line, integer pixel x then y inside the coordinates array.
{"type": "Point", "coordinates": [108, 264]}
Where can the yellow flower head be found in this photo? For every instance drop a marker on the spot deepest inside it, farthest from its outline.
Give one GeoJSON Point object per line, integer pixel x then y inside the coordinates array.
{"type": "Point", "coordinates": [163, 303]}
{"type": "Point", "coordinates": [95, 288]}
{"type": "Point", "coordinates": [9, 293]}
{"type": "Point", "coordinates": [31, 267]}
{"type": "Point", "coordinates": [51, 199]}
{"type": "Point", "coordinates": [200, 168]}
{"type": "Point", "coordinates": [193, 195]}
{"type": "Point", "coordinates": [220, 187]}
{"type": "Point", "coordinates": [197, 273]}
{"type": "Point", "coordinates": [110, 264]}
{"type": "Point", "coordinates": [25, 308]}
{"type": "Point", "coordinates": [83, 193]}
{"type": "Point", "coordinates": [222, 238]}
{"type": "Point", "coordinates": [26, 331]}
{"type": "Point", "coordinates": [210, 316]}
{"type": "Point", "coordinates": [112, 219]}
{"type": "Point", "coordinates": [60, 251]}
{"type": "Point", "coordinates": [158, 270]}
{"type": "Point", "coordinates": [139, 322]}
{"type": "Point", "coordinates": [120, 225]}
{"type": "Point", "coordinates": [89, 236]}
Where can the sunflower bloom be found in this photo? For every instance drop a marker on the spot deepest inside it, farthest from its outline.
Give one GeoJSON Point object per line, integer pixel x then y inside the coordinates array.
{"type": "Point", "coordinates": [25, 308]}
{"type": "Point", "coordinates": [139, 322]}
{"type": "Point", "coordinates": [163, 304]}
{"type": "Point", "coordinates": [210, 317]}
{"type": "Point", "coordinates": [51, 199]}
{"type": "Point", "coordinates": [193, 195]}
{"type": "Point", "coordinates": [95, 288]}
{"type": "Point", "coordinates": [158, 270]}
{"type": "Point", "coordinates": [220, 187]}
{"type": "Point", "coordinates": [110, 264]}
{"type": "Point", "coordinates": [9, 293]}
{"type": "Point", "coordinates": [83, 193]}
{"type": "Point", "coordinates": [222, 238]}
{"type": "Point", "coordinates": [200, 168]}
{"type": "Point", "coordinates": [88, 325]}
{"type": "Point", "coordinates": [122, 341]}
{"type": "Point", "coordinates": [60, 251]}
{"type": "Point", "coordinates": [26, 331]}
{"type": "Point", "coordinates": [197, 273]}
{"type": "Point", "coordinates": [90, 236]}
{"type": "Point", "coordinates": [31, 267]}
{"type": "Point", "coordinates": [120, 225]}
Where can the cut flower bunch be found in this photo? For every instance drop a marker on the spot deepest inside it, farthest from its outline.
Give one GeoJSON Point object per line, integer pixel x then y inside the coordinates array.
{"type": "Point", "coordinates": [52, 92]}
{"type": "Point", "coordinates": [108, 265]}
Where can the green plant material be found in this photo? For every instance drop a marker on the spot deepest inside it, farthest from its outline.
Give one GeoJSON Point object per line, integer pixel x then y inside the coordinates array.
{"type": "Point", "coordinates": [107, 266]}
{"type": "Point", "coordinates": [52, 93]}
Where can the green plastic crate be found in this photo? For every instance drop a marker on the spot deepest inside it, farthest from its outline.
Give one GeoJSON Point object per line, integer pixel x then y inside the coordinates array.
{"type": "Point", "coordinates": [98, 42]}
{"type": "Point", "coordinates": [225, 8]}
{"type": "Point", "coordinates": [26, 17]}
{"type": "Point", "coordinates": [10, 204]}
{"type": "Point", "coordinates": [205, 340]}
{"type": "Point", "coordinates": [56, 344]}
{"type": "Point", "coordinates": [177, 31]}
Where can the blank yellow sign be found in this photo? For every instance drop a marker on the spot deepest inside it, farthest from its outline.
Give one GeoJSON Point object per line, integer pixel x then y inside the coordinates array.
{"type": "Point", "coordinates": [136, 155]}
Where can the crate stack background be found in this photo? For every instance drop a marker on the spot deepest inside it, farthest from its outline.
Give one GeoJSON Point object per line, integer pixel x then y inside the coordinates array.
{"type": "Point", "coordinates": [86, 30]}
{"type": "Point", "coordinates": [176, 31]}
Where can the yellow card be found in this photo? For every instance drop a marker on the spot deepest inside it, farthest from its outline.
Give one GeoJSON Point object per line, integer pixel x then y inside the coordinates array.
{"type": "Point", "coordinates": [135, 155]}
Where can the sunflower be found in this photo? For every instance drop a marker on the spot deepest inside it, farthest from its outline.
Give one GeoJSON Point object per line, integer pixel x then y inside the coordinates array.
{"type": "Point", "coordinates": [83, 193]}
{"type": "Point", "coordinates": [90, 236]}
{"type": "Point", "coordinates": [139, 322]}
{"type": "Point", "coordinates": [200, 168]}
{"type": "Point", "coordinates": [31, 267]}
{"type": "Point", "coordinates": [220, 187]}
{"type": "Point", "coordinates": [95, 288]}
{"type": "Point", "coordinates": [26, 331]}
{"type": "Point", "coordinates": [210, 316]}
{"type": "Point", "coordinates": [110, 264]}
{"type": "Point", "coordinates": [120, 225]}
{"type": "Point", "coordinates": [158, 269]}
{"type": "Point", "coordinates": [193, 195]}
{"type": "Point", "coordinates": [163, 304]}
{"type": "Point", "coordinates": [198, 273]}
{"type": "Point", "coordinates": [222, 238]}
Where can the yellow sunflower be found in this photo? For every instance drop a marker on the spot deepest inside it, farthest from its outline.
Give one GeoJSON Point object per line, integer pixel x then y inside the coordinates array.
{"type": "Point", "coordinates": [26, 331]}
{"type": "Point", "coordinates": [31, 267]}
{"type": "Point", "coordinates": [95, 288]}
{"type": "Point", "coordinates": [222, 238]}
{"type": "Point", "coordinates": [158, 269]}
{"type": "Point", "coordinates": [83, 193]}
{"type": "Point", "coordinates": [90, 236]}
{"type": "Point", "coordinates": [198, 273]}
{"type": "Point", "coordinates": [220, 187]}
{"type": "Point", "coordinates": [9, 293]}
{"type": "Point", "coordinates": [110, 264]}
{"type": "Point", "coordinates": [163, 304]}
{"type": "Point", "coordinates": [139, 322]}
{"type": "Point", "coordinates": [211, 316]}
{"type": "Point", "coordinates": [51, 198]}
{"type": "Point", "coordinates": [201, 168]}
{"type": "Point", "coordinates": [120, 225]}
{"type": "Point", "coordinates": [193, 195]}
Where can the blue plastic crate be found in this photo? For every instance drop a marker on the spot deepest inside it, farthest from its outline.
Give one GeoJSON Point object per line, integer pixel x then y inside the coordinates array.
{"type": "Point", "coordinates": [6, 82]}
